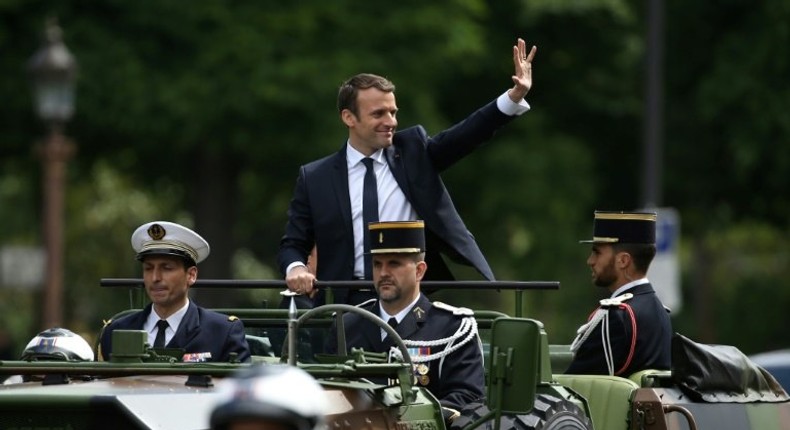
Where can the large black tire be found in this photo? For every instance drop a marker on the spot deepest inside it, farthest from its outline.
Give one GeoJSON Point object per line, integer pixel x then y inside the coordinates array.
{"type": "Point", "coordinates": [549, 413]}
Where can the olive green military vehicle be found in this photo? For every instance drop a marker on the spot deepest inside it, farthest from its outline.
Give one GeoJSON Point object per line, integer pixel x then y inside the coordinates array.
{"type": "Point", "coordinates": [709, 387]}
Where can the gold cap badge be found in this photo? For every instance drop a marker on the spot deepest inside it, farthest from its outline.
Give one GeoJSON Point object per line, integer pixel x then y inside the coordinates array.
{"type": "Point", "coordinates": [156, 232]}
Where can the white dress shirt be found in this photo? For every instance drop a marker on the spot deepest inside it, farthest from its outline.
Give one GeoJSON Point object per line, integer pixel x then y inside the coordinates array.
{"type": "Point", "coordinates": [398, 317]}
{"type": "Point", "coordinates": [173, 322]}
{"type": "Point", "coordinates": [393, 205]}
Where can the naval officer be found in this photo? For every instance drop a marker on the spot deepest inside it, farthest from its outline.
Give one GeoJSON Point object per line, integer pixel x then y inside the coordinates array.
{"type": "Point", "coordinates": [169, 254]}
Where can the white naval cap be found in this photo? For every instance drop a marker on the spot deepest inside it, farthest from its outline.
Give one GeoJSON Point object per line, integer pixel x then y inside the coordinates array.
{"type": "Point", "coordinates": [169, 238]}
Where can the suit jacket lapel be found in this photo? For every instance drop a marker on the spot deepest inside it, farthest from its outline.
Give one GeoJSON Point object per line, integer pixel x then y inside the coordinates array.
{"type": "Point", "coordinates": [340, 184]}
{"type": "Point", "coordinates": [394, 160]}
{"type": "Point", "coordinates": [188, 329]}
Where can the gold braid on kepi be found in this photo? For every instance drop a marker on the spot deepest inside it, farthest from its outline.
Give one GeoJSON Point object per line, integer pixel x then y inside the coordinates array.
{"type": "Point", "coordinates": [172, 245]}
{"type": "Point", "coordinates": [623, 227]}
{"type": "Point", "coordinates": [397, 237]}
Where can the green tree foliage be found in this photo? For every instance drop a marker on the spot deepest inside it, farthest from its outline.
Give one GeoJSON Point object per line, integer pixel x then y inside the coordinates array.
{"type": "Point", "coordinates": [739, 271]}
{"type": "Point", "coordinates": [727, 158]}
{"type": "Point", "coordinates": [727, 128]}
{"type": "Point", "coordinates": [202, 112]}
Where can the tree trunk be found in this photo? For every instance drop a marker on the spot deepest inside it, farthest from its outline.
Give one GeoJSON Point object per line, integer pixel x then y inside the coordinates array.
{"type": "Point", "coordinates": [703, 294]}
{"type": "Point", "coordinates": [213, 198]}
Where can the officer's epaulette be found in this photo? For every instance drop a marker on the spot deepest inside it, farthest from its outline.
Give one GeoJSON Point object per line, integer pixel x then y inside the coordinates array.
{"type": "Point", "coordinates": [616, 301]}
{"type": "Point", "coordinates": [232, 318]}
{"type": "Point", "coordinates": [456, 311]}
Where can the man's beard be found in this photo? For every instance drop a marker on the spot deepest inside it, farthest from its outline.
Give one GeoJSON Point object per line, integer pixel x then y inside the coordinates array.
{"type": "Point", "coordinates": [393, 294]}
{"type": "Point", "coordinates": [606, 278]}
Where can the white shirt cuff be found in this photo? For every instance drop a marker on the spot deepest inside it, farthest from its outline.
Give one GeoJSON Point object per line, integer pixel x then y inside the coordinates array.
{"type": "Point", "coordinates": [292, 265]}
{"type": "Point", "coordinates": [507, 107]}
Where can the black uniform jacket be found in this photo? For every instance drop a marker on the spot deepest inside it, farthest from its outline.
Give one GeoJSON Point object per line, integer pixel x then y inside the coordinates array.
{"type": "Point", "coordinates": [320, 210]}
{"type": "Point", "coordinates": [462, 378]}
{"type": "Point", "coordinates": [200, 331]}
{"type": "Point", "coordinates": [647, 337]}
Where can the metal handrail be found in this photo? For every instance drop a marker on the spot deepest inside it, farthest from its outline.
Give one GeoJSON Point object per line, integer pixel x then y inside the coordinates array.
{"type": "Point", "coordinates": [518, 286]}
{"type": "Point", "coordinates": [353, 285]}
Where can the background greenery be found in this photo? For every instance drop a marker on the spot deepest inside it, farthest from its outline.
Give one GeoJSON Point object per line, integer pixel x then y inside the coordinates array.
{"type": "Point", "coordinates": [201, 113]}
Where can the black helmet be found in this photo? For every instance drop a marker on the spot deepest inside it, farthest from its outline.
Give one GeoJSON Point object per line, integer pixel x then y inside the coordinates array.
{"type": "Point", "coordinates": [278, 393]}
{"type": "Point", "coordinates": [58, 344]}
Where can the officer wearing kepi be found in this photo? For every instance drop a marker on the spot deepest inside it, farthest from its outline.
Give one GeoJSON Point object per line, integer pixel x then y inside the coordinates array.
{"type": "Point", "coordinates": [443, 342]}
{"type": "Point", "coordinates": [631, 330]}
{"type": "Point", "coordinates": [169, 253]}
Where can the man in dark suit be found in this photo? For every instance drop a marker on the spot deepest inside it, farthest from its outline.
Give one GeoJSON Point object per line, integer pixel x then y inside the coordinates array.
{"type": "Point", "coordinates": [444, 346]}
{"type": "Point", "coordinates": [327, 210]}
{"type": "Point", "coordinates": [169, 254]}
{"type": "Point", "coordinates": [631, 330]}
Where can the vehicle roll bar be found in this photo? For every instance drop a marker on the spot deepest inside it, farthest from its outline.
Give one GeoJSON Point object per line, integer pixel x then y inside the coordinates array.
{"type": "Point", "coordinates": [277, 284]}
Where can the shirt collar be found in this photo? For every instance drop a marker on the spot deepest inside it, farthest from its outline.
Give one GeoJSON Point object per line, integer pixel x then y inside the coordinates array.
{"type": "Point", "coordinates": [354, 157]}
{"type": "Point", "coordinates": [173, 320]}
{"type": "Point", "coordinates": [628, 286]}
{"type": "Point", "coordinates": [400, 315]}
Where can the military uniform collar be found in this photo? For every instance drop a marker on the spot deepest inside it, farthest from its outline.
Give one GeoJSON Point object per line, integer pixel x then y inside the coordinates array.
{"type": "Point", "coordinates": [400, 315]}
{"type": "Point", "coordinates": [628, 286]}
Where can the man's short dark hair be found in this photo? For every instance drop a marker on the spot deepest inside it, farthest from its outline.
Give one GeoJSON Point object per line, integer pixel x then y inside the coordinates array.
{"type": "Point", "coordinates": [347, 95]}
{"type": "Point", "coordinates": [641, 253]}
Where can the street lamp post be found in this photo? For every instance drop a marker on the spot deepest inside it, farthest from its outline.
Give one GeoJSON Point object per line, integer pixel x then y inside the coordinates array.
{"type": "Point", "coordinates": [54, 71]}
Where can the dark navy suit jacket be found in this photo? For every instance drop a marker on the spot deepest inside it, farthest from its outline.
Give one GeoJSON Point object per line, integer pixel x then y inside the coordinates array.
{"type": "Point", "coordinates": [201, 330]}
{"type": "Point", "coordinates": [462, 378]}
{"type": "Point", "coordinates": [320, 211]}
{"type": "Point", "coordinates": [653, 331]}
